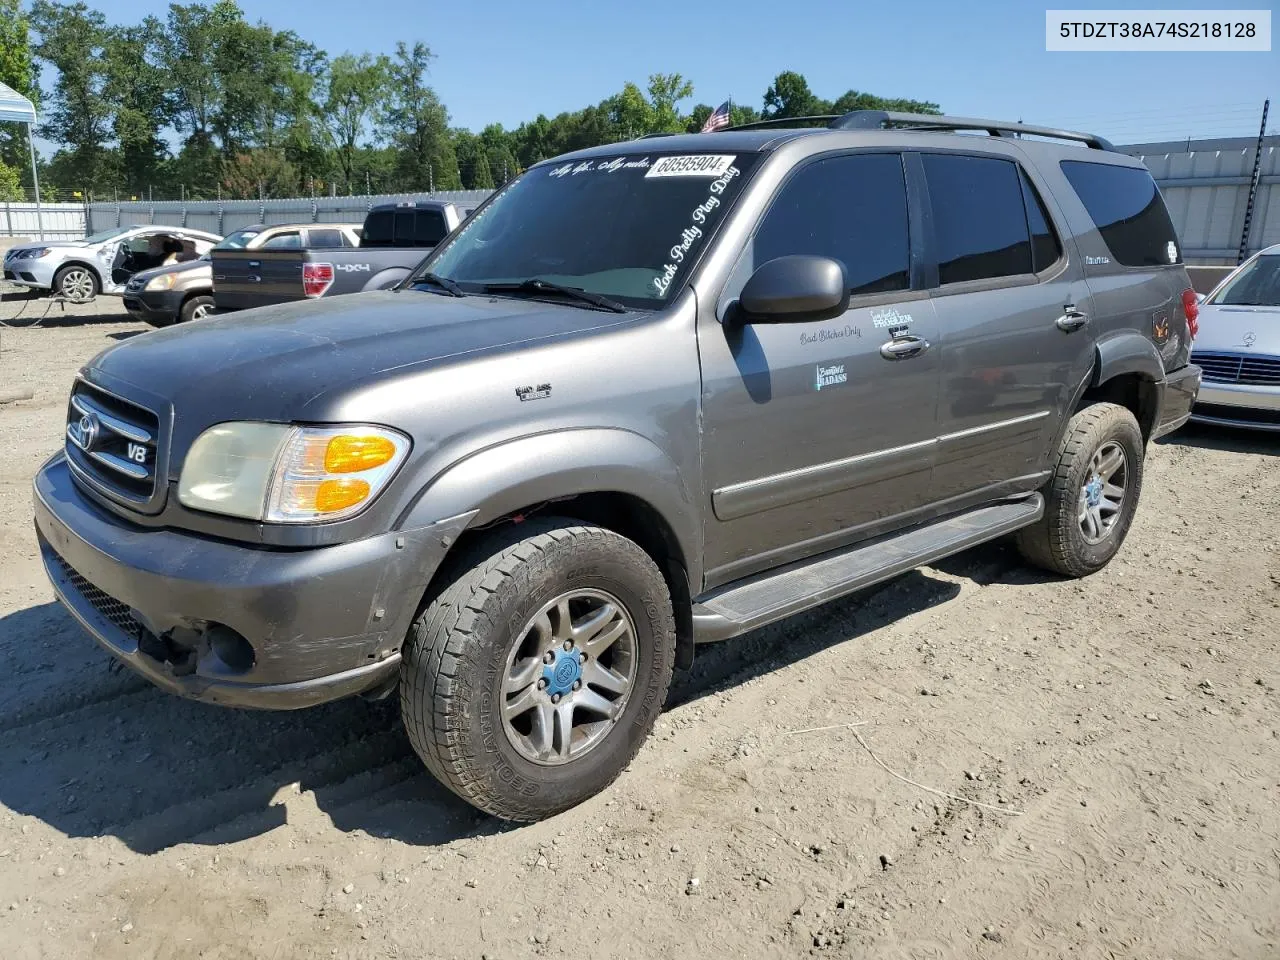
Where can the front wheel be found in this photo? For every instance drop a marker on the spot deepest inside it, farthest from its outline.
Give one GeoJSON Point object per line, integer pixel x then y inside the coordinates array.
{"type": "Point", "coordinates": [533, 677]}
{"type": "Point", "coordinates": [76, 283]}
{"type": "Point", "coordinates": [1092, 496]}
{"type": "Point", "coordinates": [197, 308]}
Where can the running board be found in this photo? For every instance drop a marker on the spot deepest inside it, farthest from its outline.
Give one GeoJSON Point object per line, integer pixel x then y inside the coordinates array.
{"type": "Point", "coordinates": [746, 605]}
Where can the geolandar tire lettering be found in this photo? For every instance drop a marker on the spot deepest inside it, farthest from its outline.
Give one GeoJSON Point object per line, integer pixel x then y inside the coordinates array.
{"type": "Point", "coordinates": [539, 667]}
{"type": "Point", "coordinates": [1092, 494]}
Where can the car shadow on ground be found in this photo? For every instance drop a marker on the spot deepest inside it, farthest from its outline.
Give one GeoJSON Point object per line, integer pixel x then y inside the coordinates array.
{"type": "Point", "coordinates": [92, 750]}
{"type": "Point", "coordinates": [1226, 439]}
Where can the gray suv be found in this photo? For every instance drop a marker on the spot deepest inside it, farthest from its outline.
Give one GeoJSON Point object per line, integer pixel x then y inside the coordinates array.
{"type": "Point", "coordinates": [650, 395]}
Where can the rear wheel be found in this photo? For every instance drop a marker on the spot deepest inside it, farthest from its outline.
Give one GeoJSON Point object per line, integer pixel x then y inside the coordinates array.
{"type": "Point", "coordinates": [1091, 498]}
{"type": "Point", "coordinates": [76, 283]}
{"type": "Point", "coordinates": [197, 308]}
{"type": "Point", "coordinates": [534, 676]}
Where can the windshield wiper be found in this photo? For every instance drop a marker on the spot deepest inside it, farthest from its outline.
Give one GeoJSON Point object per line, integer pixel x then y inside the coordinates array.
{"type": "Point", "coordinates": [444, 283]}
{"type": "Point", "coordinates": [535, 285]}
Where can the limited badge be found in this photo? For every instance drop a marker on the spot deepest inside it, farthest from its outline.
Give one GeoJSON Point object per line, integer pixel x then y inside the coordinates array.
{"type": "Point", "coordinates": [1160, 328]}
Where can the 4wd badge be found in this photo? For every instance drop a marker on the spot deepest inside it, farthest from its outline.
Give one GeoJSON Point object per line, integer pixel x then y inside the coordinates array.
{"type": "Point", "coordinates": [1160, 328]}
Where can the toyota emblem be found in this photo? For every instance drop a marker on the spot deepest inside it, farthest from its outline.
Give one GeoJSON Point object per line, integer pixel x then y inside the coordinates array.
{"type": "Point", "coordinates": [88, 430]}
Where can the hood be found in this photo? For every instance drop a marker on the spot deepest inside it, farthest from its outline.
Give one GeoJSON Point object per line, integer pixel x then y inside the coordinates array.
{"type": "Point", "coordinates": [1239, 329]}
{"type": "Point", "coordinates": [50, 244]}
{"type": "Point", "coordinates": [286, 362]}
{"type": "Point", "coordinates": [139, 280]}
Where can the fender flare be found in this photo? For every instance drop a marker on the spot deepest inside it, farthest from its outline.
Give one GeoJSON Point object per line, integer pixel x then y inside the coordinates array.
{"type": "Point", "coordinates": [1126, 352]}
{"type": "Point", "coordinates": [533, 469]}
{"type": "Point", "coordinates": [385, 278]}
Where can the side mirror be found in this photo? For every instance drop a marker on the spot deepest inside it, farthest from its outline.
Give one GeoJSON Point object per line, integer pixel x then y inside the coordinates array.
{"type": "Point", "coordinates": [795, 288]}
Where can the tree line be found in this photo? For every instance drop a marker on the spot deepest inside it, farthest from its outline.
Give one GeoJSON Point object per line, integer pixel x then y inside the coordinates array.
{"type": "Point", "coordinates": [206, 104]}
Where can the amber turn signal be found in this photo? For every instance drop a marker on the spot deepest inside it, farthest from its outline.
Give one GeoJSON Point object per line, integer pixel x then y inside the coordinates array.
{"type": "Point", "coordinates": [353, 453]}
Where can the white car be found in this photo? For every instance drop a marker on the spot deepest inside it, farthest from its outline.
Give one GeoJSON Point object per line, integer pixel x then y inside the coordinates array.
{"type": "Point", "coordinates": [103, 263]}
{"type": "Point", "coordinates": [1238, 347]}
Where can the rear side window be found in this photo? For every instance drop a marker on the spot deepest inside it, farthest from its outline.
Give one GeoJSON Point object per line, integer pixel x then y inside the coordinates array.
{"type": "Point", "coordinates": [1046, 248]}
{"type": "Point", "coordinates": [980, 222]}
{"type": "Point", "coordinates": [429, 228]}
{"type": "Point", "coordinates": [852, 209]}
{"type": "Point", "coordinates": [283, 241]}
{"type": "Point", "coordinates": [325, 238]}
{"type": "Point", "coordinates": [1127, 210]}
{"type": "Point", "coordinates": [377, 229]}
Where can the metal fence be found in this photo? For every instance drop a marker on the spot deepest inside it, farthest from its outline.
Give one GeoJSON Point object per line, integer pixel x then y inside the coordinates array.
{"type": "Point", "coordinates": [226, 216]}
{"type": "Point", "coordinates": [62, 221]}
{"type": "Point", "coordinates": [1206, 186]}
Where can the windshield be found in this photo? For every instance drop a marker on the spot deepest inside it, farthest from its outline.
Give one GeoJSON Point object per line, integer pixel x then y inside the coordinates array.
{"type": "Point", "coordinates": [106, 235]}
{"type": "Point", "coordinates": [1257, 285]}
{"type": "Point", "coordinates": [237, 241]}
{"type": "Point", "coordinates": [629, 228]}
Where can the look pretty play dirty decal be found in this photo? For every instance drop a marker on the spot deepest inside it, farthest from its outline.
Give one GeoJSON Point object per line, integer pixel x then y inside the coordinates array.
{"type": "Point", "coordinates": [696, 166]}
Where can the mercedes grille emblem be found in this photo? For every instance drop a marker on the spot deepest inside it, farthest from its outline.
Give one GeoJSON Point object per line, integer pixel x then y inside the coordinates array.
{"type": "Point", "coordinates": [1250, 338]}
{"type": "Point", "coordinates": [88, 430]}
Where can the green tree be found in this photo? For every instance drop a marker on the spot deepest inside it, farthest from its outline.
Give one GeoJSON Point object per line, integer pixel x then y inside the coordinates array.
{"type": "Point", "coordinates": [789, 96]}
{"type": "Point", "coordinates": [190, 56]}
{"type": "Point", "coordinates": [138, 90]}
{"type": "Point", "coordinates": [666, 90]}
{"type": "Point", "coordinates": [18, 71]}
{"type": "Point", "coordinates": [357, 89]}
{"type": "Point", "coordinates": [856, 100]}
{"type": "Point", "coordinates": [416, 124]}
{"type": "Point", "coordinates": [10, 183]}
{"type": "Point", "coordinates": [259, 175]}
{"type": "Point", "coordinates": [73, 39]}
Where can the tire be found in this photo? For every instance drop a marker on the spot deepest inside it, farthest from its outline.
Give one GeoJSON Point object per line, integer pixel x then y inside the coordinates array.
{"type": "Point", "coordinates": [196, 308]}
{"type": "Point", "coordinates": [1065, 540]}
{"type": "Point", "coordinates": [462, 652]}
{"type": "Point", "coordinates": [76, 283]}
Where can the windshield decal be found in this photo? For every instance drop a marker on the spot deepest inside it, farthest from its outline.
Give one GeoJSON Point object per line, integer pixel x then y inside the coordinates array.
{"type": "Point", "coordinates": [590, 166]}
{"type": "Point", "coordinates": [693, 232]}
{"type": "Point", "coordinates": [695, 165]}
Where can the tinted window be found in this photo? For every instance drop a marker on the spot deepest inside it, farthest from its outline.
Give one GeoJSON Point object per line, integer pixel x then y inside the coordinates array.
{"type": "Point", "coordinates": [402, 229]}
{"type": "Point", "coordinates": [980, 225]}
{"type": "Point", "coordinates": [325, 238]}
{"type": "Point", "coordinates": [1045, 246]}
{"type": "Point", "coordinates": [1126, 208]}
{"type": "Point", "coordinates": [429, 228]}
{"type": "Point", "coordinates": [283, 241]}
{"type": "Point", "coordinates": [852, 209]}
{"type": "Point", "coordinates": [377, 229]}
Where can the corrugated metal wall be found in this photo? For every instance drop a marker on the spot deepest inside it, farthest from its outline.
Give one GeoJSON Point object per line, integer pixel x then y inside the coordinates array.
{"type": "Point", "coordinates": [62, 221]}
{"type": "Point", "coordinates": [224, 217]}
{"type": "Point", "coordinates": [1205, 184]}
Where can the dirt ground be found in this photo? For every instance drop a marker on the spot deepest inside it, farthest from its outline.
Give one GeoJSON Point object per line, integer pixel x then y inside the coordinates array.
{"type": "Point", "coordinates": [1123, 734]}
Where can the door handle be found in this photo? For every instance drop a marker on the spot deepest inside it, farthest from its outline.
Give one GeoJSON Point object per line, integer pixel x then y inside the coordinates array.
{"type": "Point", "coordinates": [1071, 320]}
{"type": "Point", "coordinates": [904, 348]}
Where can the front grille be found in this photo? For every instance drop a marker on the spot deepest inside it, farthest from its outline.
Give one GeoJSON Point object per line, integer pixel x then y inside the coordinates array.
{"type": "Point", "coordinates": [113, 440]}
{"type": "Point", "coordinates": [111, 609]}
{"type": "Point", "coordinates": [1242, 368]}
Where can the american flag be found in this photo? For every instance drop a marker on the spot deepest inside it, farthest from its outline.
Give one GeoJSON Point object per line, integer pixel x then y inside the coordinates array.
{"type": "Point", "coordinates": [718, 120]}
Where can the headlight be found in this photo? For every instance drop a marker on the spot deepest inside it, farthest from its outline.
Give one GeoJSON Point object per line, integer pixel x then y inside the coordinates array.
{"type": "Point", "coordinates": [36, 254]}
{"type": "Point", "coordinates": [163, 282]}
{"type": "Point", "coordinates": [285, 474]}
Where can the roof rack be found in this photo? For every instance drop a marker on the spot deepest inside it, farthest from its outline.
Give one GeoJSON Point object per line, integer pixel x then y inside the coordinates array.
{"type": "Point", "coordinates": [825, 119]}
{"type": "Point", "coordinates": [650, 136]}
{"type": "Point", "coordinates": [877, 119]}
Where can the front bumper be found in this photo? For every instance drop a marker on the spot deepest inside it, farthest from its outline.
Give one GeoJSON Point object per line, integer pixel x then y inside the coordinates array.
{"type": "Point", "coordinates": [1238, 405]}
{"type": "Point", "coordinates": [1179, 394]}
{"type": "Point", "coordinates": [158, 308]}
{"type": "Point", "coordinates": [323, 623]}
{"type": "Point", "coordinates": [36, 273]}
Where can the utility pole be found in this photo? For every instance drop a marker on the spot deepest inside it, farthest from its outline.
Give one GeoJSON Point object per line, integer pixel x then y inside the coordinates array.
{"type": "Point", "coordinates": [1253, 186]}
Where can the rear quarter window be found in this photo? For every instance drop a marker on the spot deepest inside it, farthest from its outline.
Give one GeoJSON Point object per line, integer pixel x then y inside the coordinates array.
{"type": "Point", "coordinates": [1128, 211]}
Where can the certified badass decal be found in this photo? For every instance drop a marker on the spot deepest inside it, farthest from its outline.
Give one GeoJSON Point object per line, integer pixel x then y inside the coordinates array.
{"type": "Point", "coordinates": [696, 165]}
{"type": "Point", "coordinates": [829, 376]}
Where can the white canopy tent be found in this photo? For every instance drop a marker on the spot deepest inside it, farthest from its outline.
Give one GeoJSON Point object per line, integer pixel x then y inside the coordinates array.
{"type": "Point", "coordinates": [16, 108]}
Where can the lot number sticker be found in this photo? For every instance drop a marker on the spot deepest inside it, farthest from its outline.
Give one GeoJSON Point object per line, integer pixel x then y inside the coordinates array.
{"type": "Point", "coordinates": [698, 165]}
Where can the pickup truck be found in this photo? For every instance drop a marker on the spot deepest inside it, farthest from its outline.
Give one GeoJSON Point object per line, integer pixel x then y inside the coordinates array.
{"type": "Point", "coordinates": [394, 239]}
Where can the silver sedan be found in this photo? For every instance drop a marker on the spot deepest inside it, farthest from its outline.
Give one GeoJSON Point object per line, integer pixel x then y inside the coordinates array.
{"type": "Point", "coordinates": [103, 263]}
{"type": "Point", "coordinates": [1238, 347]}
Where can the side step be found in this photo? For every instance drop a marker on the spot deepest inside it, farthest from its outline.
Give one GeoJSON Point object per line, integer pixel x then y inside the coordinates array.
{"type": "Point", "coordinates": [748, 604]}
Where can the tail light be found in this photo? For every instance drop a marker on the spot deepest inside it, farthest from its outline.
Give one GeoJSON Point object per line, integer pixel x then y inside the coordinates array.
{"type": "Point", "coordinates": [316, 278]}
{"type": "Point", "coordinates": [1191, 307]}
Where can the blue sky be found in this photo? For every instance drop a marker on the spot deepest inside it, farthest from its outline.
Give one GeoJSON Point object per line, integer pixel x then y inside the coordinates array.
{"type": "Point", "coordinates": [514, 60]}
